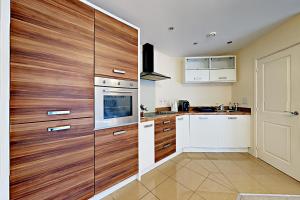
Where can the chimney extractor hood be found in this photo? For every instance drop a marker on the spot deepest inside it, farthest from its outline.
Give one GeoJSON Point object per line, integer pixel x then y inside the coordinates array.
{"type": "Point", "coordinates": [148, 65]}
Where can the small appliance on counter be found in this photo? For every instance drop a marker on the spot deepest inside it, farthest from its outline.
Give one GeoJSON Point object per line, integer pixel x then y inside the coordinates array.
{"type": "Point", "coordinates": [183, 105]}
{"type": "Point", "coordinates": [174, 107]}
{"type": "Point", "coordinates": [206, 109]}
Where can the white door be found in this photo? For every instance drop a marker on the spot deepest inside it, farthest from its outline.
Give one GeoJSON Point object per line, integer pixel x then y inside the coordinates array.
{"type": "Point", "coordinates": [146, 146]}
{"type": "Point", "coordinates": [182, 132]}
{"type": "Point", "coordinates": [278, 102]}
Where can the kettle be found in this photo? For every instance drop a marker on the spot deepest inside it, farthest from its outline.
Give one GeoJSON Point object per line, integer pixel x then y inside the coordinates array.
{"type": "Point", "coordinates": [174, 107]}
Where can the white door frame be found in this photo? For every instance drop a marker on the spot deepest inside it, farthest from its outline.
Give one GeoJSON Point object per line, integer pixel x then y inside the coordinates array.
{"type": "Point", "coordinates": [255, 93]}
{"type": "Point", "coordinates": [4, 98]}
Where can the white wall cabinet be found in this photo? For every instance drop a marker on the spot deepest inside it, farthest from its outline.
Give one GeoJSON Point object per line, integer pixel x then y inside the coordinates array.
{"type": "Point", "coordinates": [146, 146]}
{"type": "Point", "coordinates": [220, 131]}
{"type": "Point", "coordinates": [182, 132]}
{"type": "Point", "coordinates": [210, 69]}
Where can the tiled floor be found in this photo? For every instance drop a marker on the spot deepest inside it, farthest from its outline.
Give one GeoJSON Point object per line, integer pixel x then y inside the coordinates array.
{"type": "Point", "coordinates": [208, 176]}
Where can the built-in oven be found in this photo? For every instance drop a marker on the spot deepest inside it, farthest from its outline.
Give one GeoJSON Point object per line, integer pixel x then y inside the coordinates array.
{"type": "Point", "coordinates": [116, 102]}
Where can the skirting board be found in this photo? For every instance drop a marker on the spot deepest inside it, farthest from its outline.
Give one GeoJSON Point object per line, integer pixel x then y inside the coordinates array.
{"type": "Point", "coordinates": [268, 196]}
{"type": "Point", "coordinates": [196, 149]}
{"type": "Point", "coordinates": [114, 188]}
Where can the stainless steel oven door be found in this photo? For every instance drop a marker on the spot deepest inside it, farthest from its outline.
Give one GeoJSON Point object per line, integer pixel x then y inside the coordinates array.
{"type": "Point", "coordinates": [115, 107]}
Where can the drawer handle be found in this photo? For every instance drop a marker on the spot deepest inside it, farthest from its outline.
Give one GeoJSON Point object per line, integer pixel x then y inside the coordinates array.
{"type": "Point", "coordinates": [167, 122]}
{"type": "Point", "coordinates": [166, 145]}
{"type": "Point", "coordinates": [59, 128]}
{"type": "Point", "coordinates": [59, 112]}
{"type": "Point", "coordinates": [167, 129]}
{"type": "Point", "coordinates": [180, 118]}
{"type": "Point", "coordinates": [119, 133]}
{"type": "Point", "coordinates": [232, 117]}
{"type": "Point", "coordinates": [117, 71]}
{"type": "Point", "coordinates": [203, 117]}
{"type": "Point", "coordinates": [222, 78]}
{"type": "Point", "coordinates": [148, 125]}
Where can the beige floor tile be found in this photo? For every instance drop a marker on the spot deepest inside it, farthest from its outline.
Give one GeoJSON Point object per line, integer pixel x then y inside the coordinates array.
{"type": "Point", "coordinates": [237, 156]}
{"type": "Point", "coordinates": [132, 191]}
{"type": "Point", "coordinates": [169, 168]}
{"type": "Point", "coordinates": [212, 186]}
{"type": "Point", "coordinates": [108, 198]}
{"type": "Point", "coordinates": [215, 156]}
{"type": "Point", "coordinates": [279, 184]}
{"type": "Point", "coordinates": [209, 166]}
{"type": "Point", "coordinates": [251, 167]}
{"type": "Point", "coordinates": [149, 196]}
{"type": "Point", "coordinates": [221, 179]}
{"type": "Point", "coordinates": [196, 166]}
{"type": "Point", "coordinates": [228, 167]}
{"type": "Point", "coordinates": [153, 178]}
{"type": "Point", "coordinates": [196, 197]}
{"type": "Point", "coordinates": [181, 159]}
{"type": "Point", "coordinates": [188, 178]}
{"type": "Point", "coordinates": [196, 155]}
{"type": "Point", "coordinates": [294, 198]}
{"type": "Point", "coordinates": [171, 190]}
{"type": "Point", "coordinates": [217, 195]}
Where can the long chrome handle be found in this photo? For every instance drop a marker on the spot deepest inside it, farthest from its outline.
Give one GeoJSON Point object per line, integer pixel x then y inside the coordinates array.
{"type": "Point", "coordinates": [59, 112]}
{"type": "Point", "coordinates": [148, 125]}
{"type": "Point", "coordinates": [59, 128]}
{"type": "Point", "coordinates": [203, 117]}
{"type": "Point", "coordinates": [181, 118]}
{"type": "Point", "coordinates": [232, 117]}
{"type": "Point", "coordinates": [167, 129]}
{"type": "Point", "coordinates": [167, 122]}
{"type": "Point", "coordinates": [223, 78]}
{"type": "Point", "coordinates": [117, 71]}
{"type": "Point", "coordinates": [296, 113]}
{"type": "Point", "coordinates": [166, 145]}
{"type": "Point", "coordinates": [109, 91]}
{"type": "Point", "coordinates": [119, 133]}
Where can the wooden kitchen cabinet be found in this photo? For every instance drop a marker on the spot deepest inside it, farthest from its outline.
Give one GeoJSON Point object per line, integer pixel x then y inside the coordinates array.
{"type": "Point", "coordinates": [165, 137]}
{"type": "Point", "coordinates": [52, 60]}
{"type": "Point", "coordinates": [52, 160]}
{"type": "Point", "coordinates": [116, 155]}
{"type": "Point", "coordinates": [116, 48]}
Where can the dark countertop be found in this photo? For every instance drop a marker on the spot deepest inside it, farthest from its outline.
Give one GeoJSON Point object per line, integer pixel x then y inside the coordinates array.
{"type": "Point", "coordinates": [150, 118]}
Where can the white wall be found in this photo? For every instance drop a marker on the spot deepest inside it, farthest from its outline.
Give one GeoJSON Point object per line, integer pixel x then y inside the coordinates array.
{"type": "Point", "coordinates": [283, 36]}
{"type": "Point", "coordinates": [161, 93]}
{"type": "Point", "coordinates": [4, 99]}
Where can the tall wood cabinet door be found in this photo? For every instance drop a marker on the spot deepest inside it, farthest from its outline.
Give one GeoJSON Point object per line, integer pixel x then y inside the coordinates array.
{"type": "Point", "coordinates": [116, 155]}
{"type": "Point", "coordinates": [52, 160]}
{"type": "Point", "coordinates": [116, 48]}
{"type": "Point", "coordinates": [52, 60]}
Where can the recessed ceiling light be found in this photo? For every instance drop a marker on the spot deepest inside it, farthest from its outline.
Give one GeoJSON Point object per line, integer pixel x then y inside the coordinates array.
{"type": "Point", "coordinates": [229, 42]}
{"type": "Point", "coordinates": [195, 43]}
{"type": "Point", "coordinates": [171, 28]}
{"type": "Point", "coordinates": [211, 34]}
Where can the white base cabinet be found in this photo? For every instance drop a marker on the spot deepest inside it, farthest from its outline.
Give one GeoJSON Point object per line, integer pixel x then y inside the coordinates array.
{"type": "Point", "coordinates": [146, 146]}
{"type": "Point", "coordinates": [220, 131]}
{"type": "Point", "coordinates": [182, 132]}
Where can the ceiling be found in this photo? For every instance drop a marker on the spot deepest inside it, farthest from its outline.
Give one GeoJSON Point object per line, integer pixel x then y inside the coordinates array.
{"type": "Point", "coordinates": [240, 21]}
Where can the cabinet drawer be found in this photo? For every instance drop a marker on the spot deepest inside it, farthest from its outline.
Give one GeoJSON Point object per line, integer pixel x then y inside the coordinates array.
{"type": "Point", "coordinates": [43, 153]}
{"type": "Point", "coordinates": [164, 121]}
{"type": "Point", "coordinates": [223, 75]}
{"type": "Point", "coordinates": [116, 48]}
{"type": "Point", "coordinates": [52, 60]}
{"type": "Point", "coordinates": [116, 155]}
{"type": "Point", "coordinates": [165, 149]}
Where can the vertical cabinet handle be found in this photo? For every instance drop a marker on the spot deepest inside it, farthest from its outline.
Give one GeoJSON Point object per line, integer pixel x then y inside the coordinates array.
{"type": "Point", "coordinates": [167, 122]}
{"type": "Point", "coordinates": [59, 112]}
{"type": "Point", "coordinates": [119, 133]}
{"type": "Point", "coordinates": [148, 125]}
{"type": "Point", "coordinates": [117, 71]}
{"type": "Point", "coordinates": [59, 128]}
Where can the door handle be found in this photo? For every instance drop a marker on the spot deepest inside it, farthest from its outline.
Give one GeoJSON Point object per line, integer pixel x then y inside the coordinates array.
{"type": "Point", "coordinates": [296, 113]}
{"type": "Point", "coordinates": [59, 128]}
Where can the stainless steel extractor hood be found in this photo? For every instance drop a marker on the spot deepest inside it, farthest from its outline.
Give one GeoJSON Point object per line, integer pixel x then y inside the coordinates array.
{"type": "Point", "coordinates": [148, 65]}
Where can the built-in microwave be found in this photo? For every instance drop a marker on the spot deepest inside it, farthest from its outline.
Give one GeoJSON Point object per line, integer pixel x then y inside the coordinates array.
{"type": "Point", "coordinates": [116, 102]}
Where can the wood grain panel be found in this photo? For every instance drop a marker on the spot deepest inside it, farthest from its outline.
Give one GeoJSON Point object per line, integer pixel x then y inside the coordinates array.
{"type": "Point", "coordinates": [164, 121]}
{"type": "Point", "coordinates": [165, 149]}
{"type": "Point", "coordinates": [52, 60]}
{"type": "Point", "coordinates": [116, 156]}
{"type": "Point", "coordinates": [38, 158]}
{"type": "Point", "coordinates": [116, 47]}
